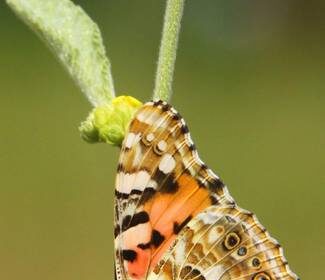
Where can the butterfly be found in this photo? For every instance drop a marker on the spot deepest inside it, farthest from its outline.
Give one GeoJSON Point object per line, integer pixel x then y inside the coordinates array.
{"type": "Point", "coordinates": [174, 217]}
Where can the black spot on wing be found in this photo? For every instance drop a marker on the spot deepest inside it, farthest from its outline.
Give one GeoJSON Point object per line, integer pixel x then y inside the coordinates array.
{"type": "Point", "coordinates": [159, 176]}
{"type": "Point", "coordinates": [189, 272]}
{"type": "Point", "coordinates": [215, 185]}
{"type": "Point", "coordinates": [117, 230]}
{"type": "Point", "coordinates": [144, 246]}
{"type": "Point", "coordinates": [126, 149]}
{"type": "Point", "coordinates": [135, 192]}
{"type": "Point", "coordinates": [177, 116]}
{"type": "Point", "coordinates": [184, 129]}
{"type": "Point", "coordinates": [166, 183]}
{"type": "Point", "coordinates": [192, 147]}
{"type": "Point", "coordinates": [165, 107]}
{"type": "Point", "coordinates": [200, 183]}
{"type": "Point", "coordinates": [178, 227]}
{"type": "Point", "coordinates": [147, 194]}
{"type": "Point", "coordinates": [195, 273]}
{"type": "Point", "coordinates": [129, 255]}
{"type": "Point", "coordinates": [120, 167]}
{"type": "Point", "coordinates": [120, 195]}
{"type": "Point", "coordinates": [204, 166]}
{"type": "Point", "coordinates": [156, 238]}
{"type": "Point", "coordinates": [157, 103]}
{"type": "Point", "coordinates": [138, 218]}
{"type": "Point", "coordinates": [126, 222]}
{"type": "Point", "coordinates": [170, 185]}
{"type": "Point", "coordinates": [256, 262]}
{"type": "Point", "coordinates": [213, 200]}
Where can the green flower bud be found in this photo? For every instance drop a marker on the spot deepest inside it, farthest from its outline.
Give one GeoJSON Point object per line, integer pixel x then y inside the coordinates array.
{"type": "Point", "coordinates": [109, 123]}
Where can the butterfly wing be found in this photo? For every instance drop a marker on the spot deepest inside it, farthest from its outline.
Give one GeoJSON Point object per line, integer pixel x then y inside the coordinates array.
{"type": "Point", "coordinates": [161, 184]}
{"type": "Point", "coordinates": [162, 187]}
{"type": "Point", "coordinates": [223, 243]}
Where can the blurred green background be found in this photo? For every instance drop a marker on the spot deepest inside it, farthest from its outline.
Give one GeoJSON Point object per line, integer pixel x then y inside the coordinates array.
{"type": "Point", "coordinates": [250, 83]}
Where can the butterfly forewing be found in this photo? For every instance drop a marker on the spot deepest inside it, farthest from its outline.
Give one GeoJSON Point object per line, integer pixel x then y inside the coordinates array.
{"type": "Point", "coordinates": [174, 218]}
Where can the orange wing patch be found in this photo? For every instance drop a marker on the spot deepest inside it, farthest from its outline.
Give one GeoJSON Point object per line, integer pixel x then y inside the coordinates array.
{"type": "Point", "coordinates": [169, 213]}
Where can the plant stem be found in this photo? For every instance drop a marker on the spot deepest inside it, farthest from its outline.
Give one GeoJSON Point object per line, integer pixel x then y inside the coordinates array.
{"type": "Point", "coordinates": [76, 41]}
{"type": "Point", "coordinates": [168, 49]}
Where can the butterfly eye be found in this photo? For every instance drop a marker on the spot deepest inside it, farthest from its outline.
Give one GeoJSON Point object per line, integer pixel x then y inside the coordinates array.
{"type": "Point", "coordinates": [262, 276]}
{"type": "Point", "coordinates": [160, 147]}
{"type": "Point", "coordinates": [232, 240]}
{"type": "Point", "coordinates": [147, 139]}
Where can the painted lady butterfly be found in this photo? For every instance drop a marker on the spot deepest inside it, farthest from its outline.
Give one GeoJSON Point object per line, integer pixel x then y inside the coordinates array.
{"type": "Point", "coordinates": [174, 218]}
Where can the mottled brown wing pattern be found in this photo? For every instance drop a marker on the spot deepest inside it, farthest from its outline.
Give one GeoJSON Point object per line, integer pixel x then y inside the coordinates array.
{"type": "Point", "coordinates": [161, 184]}
{"type": "Point", "coordinates": [174, 218]}
{"type": "Point", "coordinates": [223, 243]}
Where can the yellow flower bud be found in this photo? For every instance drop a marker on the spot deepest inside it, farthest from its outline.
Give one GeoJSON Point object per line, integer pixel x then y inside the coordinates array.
{"type": "Point", "coordinates": [109, 123]}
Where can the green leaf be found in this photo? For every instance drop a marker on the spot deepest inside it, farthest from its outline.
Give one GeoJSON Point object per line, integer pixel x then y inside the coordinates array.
{"type": "Point", "coordinates": [75, 39]}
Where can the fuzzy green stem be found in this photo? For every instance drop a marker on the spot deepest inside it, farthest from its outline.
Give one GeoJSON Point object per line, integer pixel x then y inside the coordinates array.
{"type": "Point", "coordinates": [168, 49]}
{"type": "Point", "coordinates": [75, 39]}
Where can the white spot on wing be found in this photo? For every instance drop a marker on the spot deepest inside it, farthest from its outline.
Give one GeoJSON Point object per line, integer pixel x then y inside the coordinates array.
{"type": "Point", "coordinates": [167, 163]}
{"type": "Point", "coordinates": [150, 137]}
{"type": "Point", "coordinates": [152, 184]}
{"type": "Point", "coordinates": [215, 273]}
{"type": "Point", "coordinates": [132, 139]}
{"type": "Point", "coordinates": [137, 156]}
{"type": "Point", "coordinates": [141, 180]}
{"type": "Point", "coordinates": [148, 117]}
{"type": "Point", "coordinates": [215, 234]}
{"type": "Point", "coordinates": [209, 217]}
{"type": "Point", "coordinates": [135, 181]}
{"type": "Point", "coordinates": [126, 182]}
{"type": "Point", "coordinates": [129, 210]}
{"type": "Point", "coordinates": [162, 145]}
{"type": "Point", "coordinates": [180, 253]}
{"type": "Point", "coordinates": [138, 234]}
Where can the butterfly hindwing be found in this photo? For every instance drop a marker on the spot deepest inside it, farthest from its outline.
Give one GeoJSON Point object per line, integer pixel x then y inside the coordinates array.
{"type": "Point", "coordinates": [226, 243]}
{"type": "Point", "coordinates": [173, 214]}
